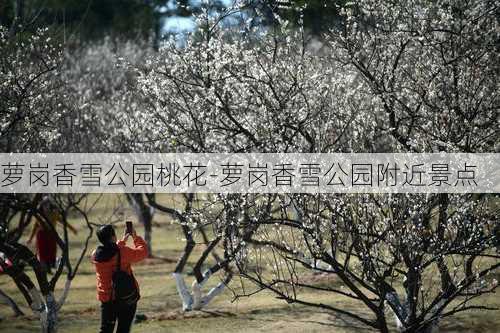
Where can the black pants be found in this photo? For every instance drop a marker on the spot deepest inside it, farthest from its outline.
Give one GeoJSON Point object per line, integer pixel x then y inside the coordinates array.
{"type": "Point", "coordinates": [111, 312]}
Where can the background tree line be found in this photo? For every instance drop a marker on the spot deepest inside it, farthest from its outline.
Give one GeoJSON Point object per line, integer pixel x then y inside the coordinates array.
{"type": "Point", "coordinates": [91, 20]}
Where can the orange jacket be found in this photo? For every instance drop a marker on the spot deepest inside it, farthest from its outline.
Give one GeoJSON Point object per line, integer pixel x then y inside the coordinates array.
{"type": "Point", "coordinates": [104, 269]}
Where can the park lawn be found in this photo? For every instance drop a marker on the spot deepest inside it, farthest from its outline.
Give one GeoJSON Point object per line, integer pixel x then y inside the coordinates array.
{"type": "Point", "coordinates": [261, 312]}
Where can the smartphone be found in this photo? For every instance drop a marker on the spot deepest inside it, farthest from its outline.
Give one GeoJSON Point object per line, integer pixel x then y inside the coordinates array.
{"type": "Point", "coordinates": [129, 227]}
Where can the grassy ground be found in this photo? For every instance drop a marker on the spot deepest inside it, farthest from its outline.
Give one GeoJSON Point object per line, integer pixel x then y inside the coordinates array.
{"type": "Point", "coordinates": [160, 303]}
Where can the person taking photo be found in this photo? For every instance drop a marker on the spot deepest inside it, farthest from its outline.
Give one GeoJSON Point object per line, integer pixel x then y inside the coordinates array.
{"type": "Point", "coordinates": [117, 288]}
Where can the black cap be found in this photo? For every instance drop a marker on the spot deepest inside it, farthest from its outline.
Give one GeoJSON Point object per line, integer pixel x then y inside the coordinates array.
{"type": "Point", "coordinates": [106, 233]}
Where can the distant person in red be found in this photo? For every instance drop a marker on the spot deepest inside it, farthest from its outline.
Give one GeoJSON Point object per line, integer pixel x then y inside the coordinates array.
{"type": "Point", "coordinates": [46, 241]}
{"type": "Point", "coordinates": [105, 260]}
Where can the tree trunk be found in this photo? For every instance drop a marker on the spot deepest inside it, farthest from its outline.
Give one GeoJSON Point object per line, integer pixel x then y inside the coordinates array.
{"type": "Point", "coordinates": [18, 17]}
{"type": "Point", "coordinates": [51, 306]}
{"type": "Point", "coordinates": [184, 294]}
{"type": "Point", "coordinates": [194, 299]}
{"type": "Point", "coordinates": [10, 302]}
{"type": "Point", "coordinates": [144, 214]}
